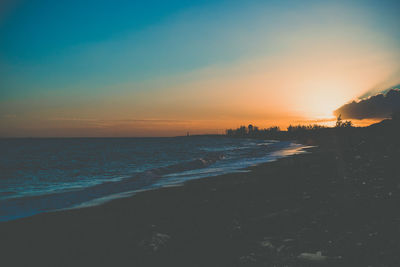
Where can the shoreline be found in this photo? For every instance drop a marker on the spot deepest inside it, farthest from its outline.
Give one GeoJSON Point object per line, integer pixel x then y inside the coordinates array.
{"type": "Point", "coordinates": [324, 207]}
{"type": "Point", "coordinates": [169, 180]}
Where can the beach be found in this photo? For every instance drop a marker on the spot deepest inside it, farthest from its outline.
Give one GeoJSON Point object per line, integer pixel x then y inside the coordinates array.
{"type": "Point", "coordinates": [200, 133]}
{"type": "Point", "coordinates": [335, 206]}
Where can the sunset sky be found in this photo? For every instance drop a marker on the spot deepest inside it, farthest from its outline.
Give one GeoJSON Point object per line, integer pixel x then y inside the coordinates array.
{"type": "Point", "coordinates": [162, 68]}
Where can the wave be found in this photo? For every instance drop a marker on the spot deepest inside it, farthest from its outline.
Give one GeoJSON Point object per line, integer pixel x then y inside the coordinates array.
{"type": "Point", "coordinates": [189, 165]}
{"type": "Point", "coordinates": [209, 164]}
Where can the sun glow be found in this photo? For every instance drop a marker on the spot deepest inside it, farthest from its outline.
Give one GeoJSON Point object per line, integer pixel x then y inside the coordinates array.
{"type": "Point", "coordinates": [319, 98]}
{"type": "Point", "coordinates": [323, 103]}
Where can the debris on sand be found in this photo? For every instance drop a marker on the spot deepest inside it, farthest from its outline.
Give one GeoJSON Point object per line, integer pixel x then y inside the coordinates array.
{"type": "Point", "coordinates": [312, 257]}
{"type": "Point", "coordinates": [155, 242]}
{"type": "Point", "coordinates": [317, 258]}
{"type": "Point", "coordinates": [267, 244]}
{"type": "Point", "coordinates": [247, 259]}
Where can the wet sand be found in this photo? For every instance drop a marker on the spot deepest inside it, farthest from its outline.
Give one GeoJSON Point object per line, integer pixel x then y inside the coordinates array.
{"type": "Point", "coordinates": [336, 206]}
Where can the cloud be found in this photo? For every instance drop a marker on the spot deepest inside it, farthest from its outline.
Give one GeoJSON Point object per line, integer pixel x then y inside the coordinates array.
{"type": "Point", "coordinates": [379, 106]}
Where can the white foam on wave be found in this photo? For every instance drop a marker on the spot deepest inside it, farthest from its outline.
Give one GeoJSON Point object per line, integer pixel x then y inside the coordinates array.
{"type": "Point", "coordinates": [209, 165]}
{"type": "Point", "coordinates": [101, 200]}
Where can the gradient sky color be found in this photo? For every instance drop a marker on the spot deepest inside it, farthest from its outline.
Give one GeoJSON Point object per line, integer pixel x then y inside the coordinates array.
{"type": "Point", "coordinates": [161, 68]}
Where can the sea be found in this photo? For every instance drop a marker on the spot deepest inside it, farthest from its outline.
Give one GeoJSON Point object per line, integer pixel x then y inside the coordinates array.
{"type": "Point", "coordinates": [47, 174]}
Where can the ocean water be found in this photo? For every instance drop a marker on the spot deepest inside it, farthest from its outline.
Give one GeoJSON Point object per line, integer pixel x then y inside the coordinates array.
{"type": "Point", "coordinates": [41, 175]}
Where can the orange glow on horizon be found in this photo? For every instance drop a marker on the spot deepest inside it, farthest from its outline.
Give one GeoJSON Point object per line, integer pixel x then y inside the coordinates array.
{"type": "Point", "coordinates": [257, 63]}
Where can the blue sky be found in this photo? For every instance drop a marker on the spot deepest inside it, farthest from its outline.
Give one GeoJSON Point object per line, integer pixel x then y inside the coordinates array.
{"type": "Point", "coordinates": [72, 54]}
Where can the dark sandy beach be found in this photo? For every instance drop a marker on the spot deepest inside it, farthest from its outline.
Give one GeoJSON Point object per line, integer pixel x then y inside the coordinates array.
{"type": "Point", "coordinates": [336, 206]}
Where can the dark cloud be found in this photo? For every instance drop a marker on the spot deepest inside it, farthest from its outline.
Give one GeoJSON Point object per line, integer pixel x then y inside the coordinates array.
{"type": "Point", "coordinates": [379, 106]}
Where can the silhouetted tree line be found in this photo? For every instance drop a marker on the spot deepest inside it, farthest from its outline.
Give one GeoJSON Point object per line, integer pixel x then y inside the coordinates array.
{"type": "Point", "coordinates": [293, 131]}
{"type": "Point", "coordinates": [343, 134]}
{"type": "Point", "coordinates": [311, 134]}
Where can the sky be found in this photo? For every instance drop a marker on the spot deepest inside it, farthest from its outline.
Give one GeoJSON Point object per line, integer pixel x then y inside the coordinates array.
{"type": "Point", "coordinates": [163, 68]}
